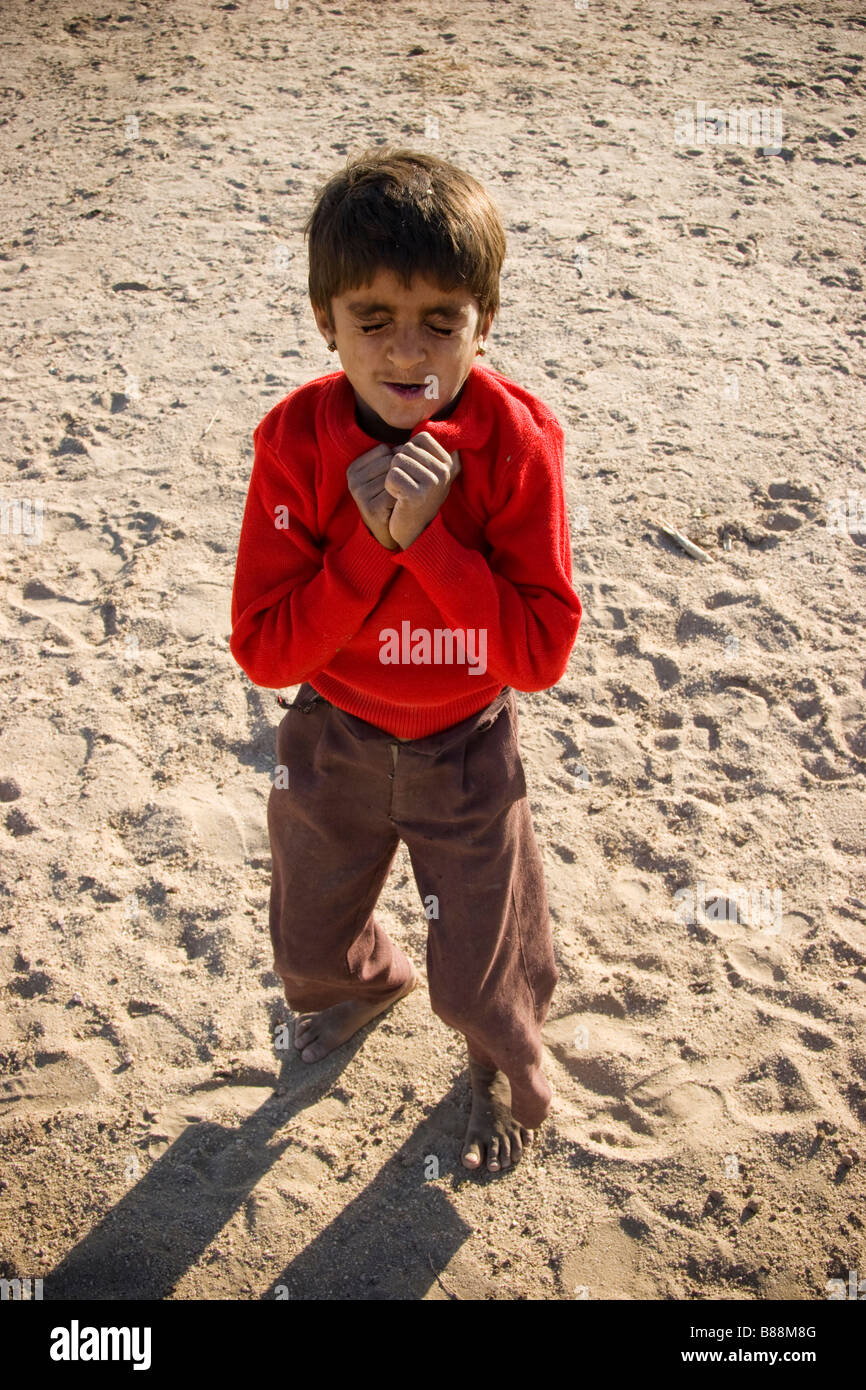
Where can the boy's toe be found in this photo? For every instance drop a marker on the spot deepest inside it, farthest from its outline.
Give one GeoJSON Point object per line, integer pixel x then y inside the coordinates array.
{"type": "Point", "coordinates": [472, 1156]}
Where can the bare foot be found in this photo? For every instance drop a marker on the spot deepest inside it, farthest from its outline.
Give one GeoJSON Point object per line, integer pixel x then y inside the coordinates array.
{"type": "Point", "coordinates": [530, 1097]}
{"type": "Point", "coordinates": [318, 1034]}
{"type": "Point", "coordinates": [492, 1131]}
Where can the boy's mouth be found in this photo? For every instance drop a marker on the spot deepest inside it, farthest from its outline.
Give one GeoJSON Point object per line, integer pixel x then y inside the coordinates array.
{"type": "Point", "coordinates": [406, 390]}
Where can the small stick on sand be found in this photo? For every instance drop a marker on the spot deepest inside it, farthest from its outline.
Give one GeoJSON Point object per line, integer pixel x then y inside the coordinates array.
{"type": "Point", "coordinates": [688, 546]}
{"type": "Point", "coordinates": [455, 1297]}
{"type": "Point", "coordinates": [208, 425]}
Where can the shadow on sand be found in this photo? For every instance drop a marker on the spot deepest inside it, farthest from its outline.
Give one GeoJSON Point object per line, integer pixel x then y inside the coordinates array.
{"type": "Point", "coordinates": [389, 1242]}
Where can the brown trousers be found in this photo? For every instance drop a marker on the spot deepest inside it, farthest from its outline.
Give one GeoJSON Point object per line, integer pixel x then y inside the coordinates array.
{"type": "Point", "coordinates": [457, 799]}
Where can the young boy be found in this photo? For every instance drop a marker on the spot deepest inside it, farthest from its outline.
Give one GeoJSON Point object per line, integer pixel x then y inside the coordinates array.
{"type": "Point", "coordinates": [405, 556]}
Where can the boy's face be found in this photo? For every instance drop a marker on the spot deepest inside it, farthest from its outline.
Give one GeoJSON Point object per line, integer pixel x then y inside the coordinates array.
{"type": "Point", "coordinates": [422, 340]}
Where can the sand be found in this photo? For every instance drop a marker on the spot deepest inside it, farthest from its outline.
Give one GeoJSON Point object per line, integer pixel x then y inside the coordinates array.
{"type": "Point", "coordinates": [694, 315]}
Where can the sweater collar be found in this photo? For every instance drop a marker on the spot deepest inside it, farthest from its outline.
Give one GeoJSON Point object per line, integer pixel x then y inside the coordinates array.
{"type": "Point", "coordinates": [467, 428]}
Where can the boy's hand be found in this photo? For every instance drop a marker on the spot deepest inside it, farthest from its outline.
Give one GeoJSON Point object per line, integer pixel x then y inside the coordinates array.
{"type": "Point", "coordinates": [366, 478]}
{"type": "Point", "coordinates": [420, 479]}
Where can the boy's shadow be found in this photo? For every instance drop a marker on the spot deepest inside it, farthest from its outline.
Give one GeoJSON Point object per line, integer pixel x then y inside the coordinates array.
{"type": "Point", "coordinates": [390, 1241]}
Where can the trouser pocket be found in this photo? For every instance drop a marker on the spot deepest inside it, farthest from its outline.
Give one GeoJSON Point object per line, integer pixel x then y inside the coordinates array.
{"type": "Point", "coordinates": [492, 771]}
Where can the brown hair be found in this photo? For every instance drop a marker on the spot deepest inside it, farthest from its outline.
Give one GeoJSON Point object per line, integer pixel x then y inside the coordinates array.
{"type": "Point", "coordinates": [410, 213]}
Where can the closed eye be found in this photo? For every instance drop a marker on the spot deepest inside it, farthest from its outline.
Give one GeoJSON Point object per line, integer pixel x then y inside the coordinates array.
{"type": "Point", "coordinates": [374, 328]}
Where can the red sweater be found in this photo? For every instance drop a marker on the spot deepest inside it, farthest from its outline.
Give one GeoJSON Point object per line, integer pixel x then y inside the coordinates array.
{"type": "Point", "coordinates": [315, 594]}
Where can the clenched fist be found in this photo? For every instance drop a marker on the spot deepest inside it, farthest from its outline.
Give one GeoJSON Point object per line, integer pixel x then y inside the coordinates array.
{"type": "Point", "coordinates": [366, 479]}
{"type": "Point", "coordinates": [399, 491]}
{"type": "Point", "coordinates": [419, 480]}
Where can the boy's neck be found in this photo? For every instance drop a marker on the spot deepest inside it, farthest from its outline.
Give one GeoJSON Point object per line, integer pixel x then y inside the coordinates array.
{"type": "Point", "coordinates": [377, 428]}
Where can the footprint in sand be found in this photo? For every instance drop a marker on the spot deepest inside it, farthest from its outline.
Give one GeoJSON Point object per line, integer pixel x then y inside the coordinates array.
{"type": "Point", "coordinates": [215, 1102]}
{"type": "Point", "coordinates": [200, 609]}
{"type": "Point", "coordinates": [776, 1086]}
{"type": "Point", "coordinates": [58, 1084]}
{"type": "Point", "coordinates": [613, 1261]}
{"type": "Point", "coordinates": [604, 1057]}
{"type": "Point", "coordinates": [759, 965]}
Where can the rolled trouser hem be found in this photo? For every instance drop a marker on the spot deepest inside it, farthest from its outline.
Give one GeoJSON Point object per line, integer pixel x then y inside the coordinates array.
{"type": "Point", "coordinates": [514, 1063]}
{"type": "Point", "coordinates": [304, 997]}
{"type": "Point", "coordinates": [511, 1038]}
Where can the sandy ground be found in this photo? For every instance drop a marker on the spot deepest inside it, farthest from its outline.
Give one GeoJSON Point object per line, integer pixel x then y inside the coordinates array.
{"type": "Point", "coordinates": [694, 315]}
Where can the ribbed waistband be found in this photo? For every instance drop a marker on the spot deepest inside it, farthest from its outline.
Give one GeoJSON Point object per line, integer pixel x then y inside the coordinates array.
{"type": "Point", "coordinates": [430, 744]}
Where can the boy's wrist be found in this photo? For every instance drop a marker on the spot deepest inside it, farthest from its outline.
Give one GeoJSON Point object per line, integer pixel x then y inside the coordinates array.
{"type": "Point", "coordinates": [412, 536]}
{"type": "Point", "coordinates": [380, 540]}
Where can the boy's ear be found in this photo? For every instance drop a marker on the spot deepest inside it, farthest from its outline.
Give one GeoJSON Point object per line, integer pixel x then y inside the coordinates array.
{"type": "Point", "coordinates": [324, 323]}
{"type": "Point", "coordinates": [486, 323]}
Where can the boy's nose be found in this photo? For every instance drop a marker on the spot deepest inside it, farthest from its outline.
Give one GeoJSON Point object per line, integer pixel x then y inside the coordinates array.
{"type": "Point", "coordinates": [406, 349]}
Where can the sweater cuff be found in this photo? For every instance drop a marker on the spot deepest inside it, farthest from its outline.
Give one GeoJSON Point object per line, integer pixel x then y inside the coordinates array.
{"type": "Point", "coordinates": [435, 553]}
{"type": "Point", "coordinates": [365, 563]}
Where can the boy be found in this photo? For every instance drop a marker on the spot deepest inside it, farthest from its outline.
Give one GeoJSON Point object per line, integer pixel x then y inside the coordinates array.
{"type": "Point", "coordinates": [405, 555]}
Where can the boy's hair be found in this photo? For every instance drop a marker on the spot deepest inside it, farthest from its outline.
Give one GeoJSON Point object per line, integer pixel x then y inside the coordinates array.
{"type": "Point", "coordinates": [408, 212]}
